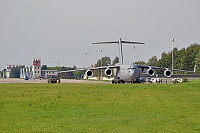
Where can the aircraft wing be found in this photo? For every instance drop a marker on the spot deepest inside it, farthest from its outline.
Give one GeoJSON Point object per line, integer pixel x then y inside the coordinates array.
{"type": "Point", "coordinates": [85, 69]}
{"type": "Point", "coordinates": [167, 71]}
{"type": "Point", "coordinates": [103, 67]}
{"type": "Point", "coordinates": [68, 71]}
{"type": "Point", "coordinates": [161, 68]}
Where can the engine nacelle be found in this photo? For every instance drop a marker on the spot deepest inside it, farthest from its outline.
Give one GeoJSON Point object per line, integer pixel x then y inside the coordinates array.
{"type": "Point", "coordinates": [168, 73]}
{"type": "Point", "coordinates": [89, 73]}
{"type": "Point", "coordinates": [150, 72]}
{"type": "Point", "coordinates": [108, 72]}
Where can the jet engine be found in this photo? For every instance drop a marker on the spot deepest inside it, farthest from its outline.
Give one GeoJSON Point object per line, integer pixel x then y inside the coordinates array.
{"type": "Point", "coordinates": [167, 73]}
{"type": "Point", "coordinates": [89, 73]}
{"type": "Point", "coordinates": [108, 72]}
{"type": "Point", "coordinates": [150, 72]}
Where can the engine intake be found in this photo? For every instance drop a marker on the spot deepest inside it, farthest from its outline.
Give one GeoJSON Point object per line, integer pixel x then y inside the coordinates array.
{"type": "Point", "coordinates": [108, 72]}
{"type": "Point", "coordinates": [150, 72]}
{"type": "Point", "coordinates": [168, 73]}
{"type": "Point", "coordinates": [89, 73]}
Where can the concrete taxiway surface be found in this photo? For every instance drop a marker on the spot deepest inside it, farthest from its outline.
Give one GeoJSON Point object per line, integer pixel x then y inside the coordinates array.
{"type": "Point", "coordinates": [17, 80]}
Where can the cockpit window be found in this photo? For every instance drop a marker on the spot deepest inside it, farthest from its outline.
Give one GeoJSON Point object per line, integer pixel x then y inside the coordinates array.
{"type": "Point", "coordinates": [130, 68]}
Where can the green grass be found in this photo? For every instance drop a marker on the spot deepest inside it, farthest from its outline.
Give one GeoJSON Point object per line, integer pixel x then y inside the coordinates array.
{"type": "Point", "coordinates": [100, 107]}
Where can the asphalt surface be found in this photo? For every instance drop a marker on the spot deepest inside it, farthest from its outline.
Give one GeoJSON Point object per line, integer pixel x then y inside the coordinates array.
{"type": "Point", "coordinates": [17, 80]}
{"type": "Point", "coordinates": [73, 81]}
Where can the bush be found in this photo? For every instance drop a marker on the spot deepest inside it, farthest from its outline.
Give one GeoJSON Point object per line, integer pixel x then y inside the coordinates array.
{"type": "Point", "coordinates": [184, 80]}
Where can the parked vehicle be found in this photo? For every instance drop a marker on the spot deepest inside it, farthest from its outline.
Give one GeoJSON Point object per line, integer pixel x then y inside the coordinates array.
{"type": "Point", "coordinates": [53, 79]}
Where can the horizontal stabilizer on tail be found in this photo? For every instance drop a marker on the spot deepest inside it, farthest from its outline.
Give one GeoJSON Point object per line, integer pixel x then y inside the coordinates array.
{"type": "Point", "coordinates": [105, 42]}
{"type": "Point", "coordinates": [120, 42]}
{"type": "Point", "coordinates": [133, 42]}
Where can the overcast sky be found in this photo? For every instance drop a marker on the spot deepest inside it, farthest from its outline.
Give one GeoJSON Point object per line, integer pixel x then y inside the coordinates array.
{"type": "Point", "coordinates": [63, 30]}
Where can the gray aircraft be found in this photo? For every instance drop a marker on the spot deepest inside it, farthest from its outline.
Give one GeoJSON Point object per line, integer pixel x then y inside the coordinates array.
{"type": "Point", "coordinates": [127, 72]}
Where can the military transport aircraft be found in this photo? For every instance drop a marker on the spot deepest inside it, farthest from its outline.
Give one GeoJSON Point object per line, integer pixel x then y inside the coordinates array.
{"type": "Point", "coordinates": [126, 72]}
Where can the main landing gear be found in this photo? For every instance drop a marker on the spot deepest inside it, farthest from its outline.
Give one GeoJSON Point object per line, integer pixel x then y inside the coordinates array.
{"type": "Point", "coordinates": [118, 82]}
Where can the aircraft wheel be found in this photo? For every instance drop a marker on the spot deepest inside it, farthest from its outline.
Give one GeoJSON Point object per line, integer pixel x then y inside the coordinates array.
{"type": "Point", "coordinates": [122, 81]}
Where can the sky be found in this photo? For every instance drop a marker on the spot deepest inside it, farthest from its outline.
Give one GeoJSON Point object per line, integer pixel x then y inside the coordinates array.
{"type": "Point", "coordinates": [61, 32]}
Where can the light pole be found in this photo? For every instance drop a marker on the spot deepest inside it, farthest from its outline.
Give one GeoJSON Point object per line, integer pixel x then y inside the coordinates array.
{"type": "Point", "coordinates": [58, 66]}
{"type": "Point", "coordinates": [101, 62]}
{"type": "Point", "coordinates": [86, 58]}
{"type": "Point", "coordinates": [134, 54]}
{"type": "Point", "coordinates": [172, 54]}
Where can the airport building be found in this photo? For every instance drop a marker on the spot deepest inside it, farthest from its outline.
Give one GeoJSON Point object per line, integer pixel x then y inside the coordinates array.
{"type": "Point", "coordinates": [22, 71]}
{"type": "Point", "coordinates": [48, 72]}
{"type": "Point", "coordinates": [36, 68]}
{"type": "Point", "coordinates": [35, 71]}
{"type": "Point", "coordinates": [7, 72]}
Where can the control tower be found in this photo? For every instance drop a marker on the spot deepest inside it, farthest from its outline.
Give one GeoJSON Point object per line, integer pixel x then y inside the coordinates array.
{"type": "Point", "coordinates": [36, 69]}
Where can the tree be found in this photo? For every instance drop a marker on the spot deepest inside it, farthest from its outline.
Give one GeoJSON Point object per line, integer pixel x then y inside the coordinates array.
{"type": "Point", "coordinates": [44, 67]}
{"type": "Point", "coordinates": [116, 60]}
{"type": "Point", "coordinates": [179, 56]}
{"type": "Point", "coordinates": [15, 72]}
{"type": "Point", "coordinates": [74, 67]}
{"type": "Point", "coordinates": [63, 68]}
{"type": "Point", "coordinates": [190, 55]}
{"type": "Point", "coordinates": [152, 61]}
{"type": "Point", "coordinates": [104, 61]}
{"type": "Point", "coordinates": [140, 62]}
{"type": "Point", "coordinates": [197, 62]}
{"type": "Point", "coordinates": [185, 59]}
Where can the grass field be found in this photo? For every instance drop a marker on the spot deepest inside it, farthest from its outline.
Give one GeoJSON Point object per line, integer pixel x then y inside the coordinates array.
{"type": "Point", "coordinates": [100, 107]}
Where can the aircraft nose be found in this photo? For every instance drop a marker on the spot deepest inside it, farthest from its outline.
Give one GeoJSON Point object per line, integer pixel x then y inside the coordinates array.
{"type": "Point", "coordinates": [131, 71]}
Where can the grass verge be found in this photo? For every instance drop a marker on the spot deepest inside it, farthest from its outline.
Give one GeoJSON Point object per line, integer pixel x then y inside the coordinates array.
{"type": "Point", "coordinates": [100, 107]}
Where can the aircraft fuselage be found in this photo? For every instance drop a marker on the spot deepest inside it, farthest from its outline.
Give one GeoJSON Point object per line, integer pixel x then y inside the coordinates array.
{"type": "Point", "coordinates": [127, 72]}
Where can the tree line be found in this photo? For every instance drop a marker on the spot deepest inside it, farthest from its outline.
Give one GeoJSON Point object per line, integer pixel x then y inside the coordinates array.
{"type": "Point", "coordinates": [184, 59]}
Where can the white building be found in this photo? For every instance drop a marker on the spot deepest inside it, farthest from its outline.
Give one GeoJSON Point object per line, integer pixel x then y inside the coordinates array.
{"type": "Point", "coordinates": [49, 72]}
{"type": "Point", "coordinates": [36, 69]}
{"type": "Point", "coordinates": [9, 68]}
